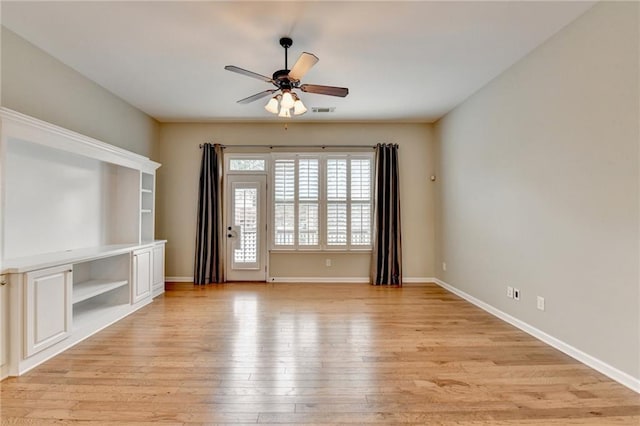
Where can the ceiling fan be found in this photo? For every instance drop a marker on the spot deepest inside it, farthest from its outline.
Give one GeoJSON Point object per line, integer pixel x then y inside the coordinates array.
{"type": "Point", "coordinates": [285, 81]}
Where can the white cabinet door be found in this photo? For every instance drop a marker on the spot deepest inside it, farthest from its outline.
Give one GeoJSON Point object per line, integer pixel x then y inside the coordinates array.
{"type": "Point", "coordinates": [48, 302]}
{"type": "Point", "coordinates": [142, 274]}
{"type": "Point", "coordinates": [158, 269]}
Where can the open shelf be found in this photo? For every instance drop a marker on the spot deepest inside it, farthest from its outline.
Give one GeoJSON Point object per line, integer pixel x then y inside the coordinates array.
{"type": "Point", "coordinates": [147, 200]}
{"type": "Point", "coordinates": [98, 298]}
{"type": "Point", "coordinates": [88, 289]}
{"type": "Point", "coordinates": [90, 312]}
{"type": "Point", "coordinates": [146, 182]}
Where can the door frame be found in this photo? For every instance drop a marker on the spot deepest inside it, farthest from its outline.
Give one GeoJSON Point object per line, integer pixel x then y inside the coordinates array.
{"type": "Point", "coordinates": [227, 177]}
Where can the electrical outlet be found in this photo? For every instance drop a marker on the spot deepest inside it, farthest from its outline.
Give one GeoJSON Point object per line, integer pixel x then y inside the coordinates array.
{"type": "Point", "coordinates": [510, 292]}
{"type": "Point", "coordinates": [540, 303]}
{"type": "Point", "coordinates": [516, 294]}
{"type": "Point", "coordinates": [327, 263]}
{"type": "Point", "coordinates": [444, 266]}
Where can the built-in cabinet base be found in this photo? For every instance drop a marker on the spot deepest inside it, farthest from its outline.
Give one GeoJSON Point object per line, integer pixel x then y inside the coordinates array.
{"type": "Point", "coordinates": [52, 308]}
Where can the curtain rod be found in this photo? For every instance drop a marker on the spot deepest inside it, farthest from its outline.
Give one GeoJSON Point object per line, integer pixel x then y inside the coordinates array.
{"type": "Point", "coordinates": [298, 146]}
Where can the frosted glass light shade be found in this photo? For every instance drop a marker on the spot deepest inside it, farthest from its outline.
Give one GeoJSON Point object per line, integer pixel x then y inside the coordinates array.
{"type": "Point", "coordinates": [272, 105]}
{"type": "Point", "coordinates": [299, 108]}
{"type": "Point", "coordinates": [284, 112]}
{"type": "Point", "coordinates": [287, 100]}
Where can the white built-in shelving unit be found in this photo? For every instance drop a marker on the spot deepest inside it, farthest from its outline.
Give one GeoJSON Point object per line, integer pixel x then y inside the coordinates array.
{"type": "Point", "coordinates": [147, 186]}
{"type": "Point", "coordinates": [77, 238]}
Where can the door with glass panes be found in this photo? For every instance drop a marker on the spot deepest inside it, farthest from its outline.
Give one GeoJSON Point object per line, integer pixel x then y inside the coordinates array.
{"type": "Point", "coordinates": [245, 228]}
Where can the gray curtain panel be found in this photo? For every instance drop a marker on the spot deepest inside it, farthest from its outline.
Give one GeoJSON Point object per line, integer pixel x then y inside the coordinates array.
{"type": "Point", "coordinates": [209, 261]}
{"type": "Point", "coordinates": [386, 262]}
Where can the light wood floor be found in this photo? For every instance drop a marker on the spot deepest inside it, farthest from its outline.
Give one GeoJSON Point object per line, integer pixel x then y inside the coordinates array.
{"type": "Point", "coordinates": [314, 354]}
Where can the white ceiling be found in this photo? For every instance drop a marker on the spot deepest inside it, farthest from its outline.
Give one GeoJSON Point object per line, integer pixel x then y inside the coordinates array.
{"type": "Point", "coordinates": [412, 61]}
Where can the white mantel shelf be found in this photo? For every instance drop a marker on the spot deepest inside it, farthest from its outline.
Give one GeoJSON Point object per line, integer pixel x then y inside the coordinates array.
{"type": "Point", "coordinates": [41, 261]}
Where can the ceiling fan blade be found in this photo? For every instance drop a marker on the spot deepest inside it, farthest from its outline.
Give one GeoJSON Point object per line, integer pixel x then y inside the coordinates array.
{"type": "Point", "coordinates": [325, 90]}
{"type": "Point", "coordinates": [302, 66]}
{"type": "Point", "coordinates": [248, 73]}
{"type": "Point", "coordinates": [257, 96]}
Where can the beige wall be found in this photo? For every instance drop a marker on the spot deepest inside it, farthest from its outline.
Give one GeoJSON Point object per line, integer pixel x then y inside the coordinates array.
{"type": "Point", "coordinates": [539, 188]}
{"type": "Point", "coordinates": [37, 84]}
{"type": "Point", "coordinates": [178, 182]}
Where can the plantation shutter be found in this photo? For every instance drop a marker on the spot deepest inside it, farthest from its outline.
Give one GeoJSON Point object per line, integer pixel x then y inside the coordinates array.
{"type": "Point", "coordinates": [336, 201]}
{"type": "Point", "coordinates": [308, 202]}
{"type": "Point", "coordinates": [284, 202]}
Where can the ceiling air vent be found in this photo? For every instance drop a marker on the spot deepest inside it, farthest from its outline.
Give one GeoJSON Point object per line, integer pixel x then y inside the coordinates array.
{"type": "Point", "coordinates": [323, 109]}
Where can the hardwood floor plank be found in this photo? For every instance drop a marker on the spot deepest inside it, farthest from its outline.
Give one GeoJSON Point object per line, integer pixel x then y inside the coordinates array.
{"type": "Point", "coordinates": [15, 412]}
{"type": "Point", "coordinates": [39, 422]}
{"type": "Point", "coordinates": [193, 407]}
{"type": "Point", "coordinates": [36, 403]}
{"type": "Point", "coordinates": [314, 354]}
{"type": "Point", "coordinates": [402, 407]}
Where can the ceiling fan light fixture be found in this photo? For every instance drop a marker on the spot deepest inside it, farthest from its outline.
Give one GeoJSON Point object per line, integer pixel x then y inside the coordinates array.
{"type": "Point", "coordinates": [287, 100]}
{"type": "Point", "coordinates": [284, 112]}
{"type": "Point", "coordinates": [286, 80]}
{"type": "Point", "coordinates": [272, 105]}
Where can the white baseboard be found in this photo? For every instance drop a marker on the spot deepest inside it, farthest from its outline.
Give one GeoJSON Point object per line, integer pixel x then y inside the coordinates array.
{"type": "Point", "coordinates": [350, 280]}
{"type": "Point", "coordinates": [288, 279]}
{"type": "Point", "coordinates": [621, 377]}
{"type": "Point", "coordinates": [408, 280]}
{"type": "Point", "coordinates": [178, 279]}
{"type": "Point", "coordinates": [4, 372]}
{"type": "Point", "coordinates": [418, 280]}
{"type": "Point", "coordinates": [359, 280]}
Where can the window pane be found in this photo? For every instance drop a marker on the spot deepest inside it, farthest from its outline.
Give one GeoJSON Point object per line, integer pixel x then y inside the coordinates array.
{"type": "Point", "coordinates": [308, 179]}
{"type": "Point", "coordinates": [254, 164]}
{"type": "Point", "coordinates": [361, 224]}
{"type": "Point", "coordinates": [283, 224]}
{"type": "Point", "coordinates": [246, 218]}
{"type": "Point", "coordinates": [308, 225]}
{"type": "Point", "coordinates": [336, 179]}
{"type": "Point", "coordinates": [336, 224]}
{"type": "Point", "coordinates": [284, 172]}
{"type": "Point", "coordinates": [360, 179]}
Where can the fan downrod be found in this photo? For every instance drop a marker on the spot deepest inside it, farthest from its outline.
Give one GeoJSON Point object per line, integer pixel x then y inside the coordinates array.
{"type": "Point", "coordinates": [286, 42]}
{"type": "Point", "coordinates": [281, 77]}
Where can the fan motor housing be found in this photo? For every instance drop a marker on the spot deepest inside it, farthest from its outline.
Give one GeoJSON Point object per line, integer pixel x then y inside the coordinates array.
{"type": "Point", "coordinates": [281, 79]}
